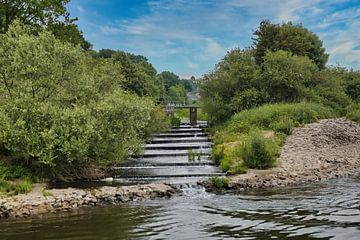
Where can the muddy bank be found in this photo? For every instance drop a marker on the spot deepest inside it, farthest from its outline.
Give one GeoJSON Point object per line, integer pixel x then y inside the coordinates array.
{"type": "Point", "coordinates": [324, 150]}
{"type": "Point", "coordinates": [41, 201]}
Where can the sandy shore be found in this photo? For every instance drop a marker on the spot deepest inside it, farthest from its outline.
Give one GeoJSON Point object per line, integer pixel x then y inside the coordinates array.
{"type": "Point", "coordinates": [327, 149]}
{"type": "Point", "coordinates": [41, 201]}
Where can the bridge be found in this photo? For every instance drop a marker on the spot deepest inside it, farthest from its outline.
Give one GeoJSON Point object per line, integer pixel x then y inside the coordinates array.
{"type": "Point", "coordinates": [172, 103]}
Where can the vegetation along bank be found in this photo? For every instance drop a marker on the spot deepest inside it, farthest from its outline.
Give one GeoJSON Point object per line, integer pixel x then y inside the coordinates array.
{"type": "Point", "coordinates": [256, 97]}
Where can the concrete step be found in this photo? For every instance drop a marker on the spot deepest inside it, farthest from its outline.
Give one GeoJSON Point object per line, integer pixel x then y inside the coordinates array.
{"type": "Point", "coordinates": [166, 160]}
{"type": "Point", "coordinates": [179, 140]}
{"type": "Point", "coordinates": [164, 171]}
{"type": "Point", "coordinates": [173, 153]}
{"type": "Point", "coordinates": [178, 146]}
{"type": "Point", "coordinates": [181, 135]}
{"type": "Point", "coordinates": [185, 130]}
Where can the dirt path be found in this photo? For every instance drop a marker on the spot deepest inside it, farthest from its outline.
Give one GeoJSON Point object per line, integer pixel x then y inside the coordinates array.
{"type": "Point", "coordinates": [327, 149]}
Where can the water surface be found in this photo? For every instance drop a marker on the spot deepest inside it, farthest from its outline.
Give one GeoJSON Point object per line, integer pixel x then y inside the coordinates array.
{"type": "Point", "coordinates": [327, 210]}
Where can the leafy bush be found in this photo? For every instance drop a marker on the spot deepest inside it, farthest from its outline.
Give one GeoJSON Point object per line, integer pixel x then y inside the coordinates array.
{"type": "Point", "coordinates": [65, 111]}
{"type": "Point", "coordinates": [219, 182]}
{"type": "Point", "coordinates": [175, 121]}
{"type": "Point", "coordinates": [353, 112]}
{"type": "Point", "coordinates": [14, 188]}
{"type": "Point", "coordinates": [269, 114]}
{"type": "Point", "coordinates": [283, 125]}
{"type": "Point", "coordinates": [248, 134]}
{"type": "Point", "coordinates": [217, 153]}
{"type": "Point", "coordinates": [259, 152]}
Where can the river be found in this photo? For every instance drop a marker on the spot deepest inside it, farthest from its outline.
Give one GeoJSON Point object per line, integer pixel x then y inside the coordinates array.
{"type": "Point", "coordinates": [325, 210]}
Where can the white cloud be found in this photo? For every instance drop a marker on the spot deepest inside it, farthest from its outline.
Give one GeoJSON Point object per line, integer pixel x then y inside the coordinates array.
{"type": "Point", "coordinates": [189, 37]}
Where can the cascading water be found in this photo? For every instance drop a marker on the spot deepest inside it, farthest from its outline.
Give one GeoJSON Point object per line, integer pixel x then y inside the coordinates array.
{"type": "Point", "coordinates": [166, 158]}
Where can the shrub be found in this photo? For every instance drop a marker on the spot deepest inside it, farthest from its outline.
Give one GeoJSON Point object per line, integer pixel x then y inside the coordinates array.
{"type": "Point", "coordinates": [217, 153]}
{"type": "Point", "coordinates": [259, 152]}
{"type": "Point", "coordinates": [175, 121]}
{"type": "Point", "coordinates": [238, 168]}
{"type": "Point", "coordinates": [14, 188]}
{"type": "Point", "coordinates": [283, 125]}
{"type": "Point", "coordinates": [219, 182]}
{"type": "Point", "coordinates": [266, 115]}
{"type": "Point", "coordinates": [353, 112]}
{"type": "Point", "coordinates": [191, 155]}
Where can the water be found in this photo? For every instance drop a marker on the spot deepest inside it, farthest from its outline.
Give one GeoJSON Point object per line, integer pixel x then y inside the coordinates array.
{"type": "Point", "coordinates": [166, 158]}
{"type": "Point", "coordinates": [327, 210]}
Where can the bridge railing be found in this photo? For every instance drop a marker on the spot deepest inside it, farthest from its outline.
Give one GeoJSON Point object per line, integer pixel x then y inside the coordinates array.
{"type": "Point", "coordinates": [171, 101]}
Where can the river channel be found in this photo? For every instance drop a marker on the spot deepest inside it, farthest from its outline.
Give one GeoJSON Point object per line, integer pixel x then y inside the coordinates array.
{"type": "Point", "coordinates": [325, 210]}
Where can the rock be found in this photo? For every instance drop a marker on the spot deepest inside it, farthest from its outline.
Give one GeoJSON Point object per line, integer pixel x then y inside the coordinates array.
{"type": "Point", "coordinates": [71, 198]}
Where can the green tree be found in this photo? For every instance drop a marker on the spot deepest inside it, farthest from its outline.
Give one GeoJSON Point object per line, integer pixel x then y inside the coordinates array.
{"type": "Point", "coordinates": [177, 93]}
{"type": "Point", "coordinates": [288, 37]}
{"type": "Point", "coordinates": [235, 74]}
{"type": "Point", "coordinates": [286, 75]}
{"type": "Point", "coordinates": [63, 112]}
{"type": "Point", "coordinates": [51, 14]}
{"type": "Point", "coordinates": [170, 79]}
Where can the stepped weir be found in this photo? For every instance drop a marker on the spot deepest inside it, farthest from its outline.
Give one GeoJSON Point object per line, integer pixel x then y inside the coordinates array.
{"type": "Point", "coordinates": [178, 156]}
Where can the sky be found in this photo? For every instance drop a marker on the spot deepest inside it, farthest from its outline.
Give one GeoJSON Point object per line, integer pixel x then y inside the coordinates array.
{"type": "Point", "coordinates": [188, 37]}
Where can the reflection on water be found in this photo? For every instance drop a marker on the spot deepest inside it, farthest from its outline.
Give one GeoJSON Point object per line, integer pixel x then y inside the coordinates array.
{"type": "Point", "coordinates": [328, 210]}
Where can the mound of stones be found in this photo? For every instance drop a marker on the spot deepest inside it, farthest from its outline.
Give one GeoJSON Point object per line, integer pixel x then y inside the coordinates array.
{"type": "Point", "coordinates": [324, 150]}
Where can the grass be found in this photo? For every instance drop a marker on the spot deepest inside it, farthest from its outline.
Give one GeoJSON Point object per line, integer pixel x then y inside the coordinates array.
{"type": "Point", "coordinates": [14, 179]}
{"type": "Point", "coordinates": [252, 138]}
{"type": "Point", "coordinates": [353, 112]}
{"type": "Point", "coordinates": [15, 187]}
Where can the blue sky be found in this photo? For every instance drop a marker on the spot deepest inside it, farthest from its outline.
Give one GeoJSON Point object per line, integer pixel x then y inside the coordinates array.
{"type": "Point", "coordinates": [189, 37]}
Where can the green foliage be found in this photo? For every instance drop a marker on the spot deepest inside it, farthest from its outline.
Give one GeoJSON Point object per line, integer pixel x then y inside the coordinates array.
{"type": "Point", "coordinates": [268, 116]}
{"type": "Point", "coordinates": [217, 154]}
{"type": "Point", "coordinates": [36, 13]}
{"type": "Point", "coordinates": [238, 167]}
{"type": "Point", "coordinates": [198, 155]}
{"type": "Point", "coordinates": [220, 182]}
{"type": "Point", "coordinates": [175, 121]}
{"type": "Point", "coordinates": [352, 84]}
{"type": "Point", "coordinates": [14, 179]}
{"type": "Point", "coordinates": [353, 112]}
{"type": "Point", "coordinates": [283, 125]}
{"type": "Point", "coordinates": [222, 90]}
{"type": "Point", "coordinates": [258, 152]}
{"type": "Point", "coordinates": [191, 155]}
{"type": "Point", "coordinates": [9, 173]}
{"type": "Point", "coordinates": [247, 140]}
{"type": "Point", "coordinates": [288, 37]}
{"type": "Point", "coordinates": [177, 94]}
{"type": "Point", "coordinates": [49, 13]}
{"type": "Point", "coordinates": [286, 75]}
{"type": "Point", "coordinates": [62, 110]}
{"type": "Point", "coordinates": [14, 188]}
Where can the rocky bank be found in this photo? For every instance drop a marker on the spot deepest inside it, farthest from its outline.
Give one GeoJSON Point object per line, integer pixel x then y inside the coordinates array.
{"type": "Point", "coordinates": [41, 201]}
{"type": "Point", "coordinates": [324, 150]}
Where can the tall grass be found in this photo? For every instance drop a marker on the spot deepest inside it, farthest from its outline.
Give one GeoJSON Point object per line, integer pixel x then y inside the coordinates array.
{"type": "Point", "coordinates": [353, 112]}
{"type": "Point", "coordinates": [252, 138]}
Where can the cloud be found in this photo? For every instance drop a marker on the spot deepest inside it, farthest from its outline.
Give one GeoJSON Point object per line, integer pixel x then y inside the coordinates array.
{"type": "Point", "coordinates": [190, 37]}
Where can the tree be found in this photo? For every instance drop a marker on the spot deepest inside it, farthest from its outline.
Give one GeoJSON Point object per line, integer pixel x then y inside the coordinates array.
{"type": "Point", "coordinates": [221, 90]}
{"type": "Point", "coordinates": [106, 53]}
{"type": "Point", "coordinates": [285, 75]}
{"type": "Point", "coordinates": [69, 33]}
{"type": "Point", "coordinates": [177, 93]}
{"type": "Point", "coordinates": [50, 14]}
{"type": "Point", "coordinates": [170, 79]}
{"type": "Point", "coordinates": [288, 37]}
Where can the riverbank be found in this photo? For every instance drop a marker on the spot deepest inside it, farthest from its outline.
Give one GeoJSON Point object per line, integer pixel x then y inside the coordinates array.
{"type": "Point", "coordinates": [324, 150]}
{"type": "Point", "coordinates": [41, 200]}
